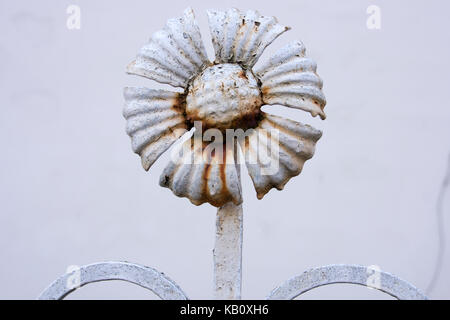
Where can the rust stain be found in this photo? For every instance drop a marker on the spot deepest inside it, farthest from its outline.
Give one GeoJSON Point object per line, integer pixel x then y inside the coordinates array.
{"type": "Point", "coordinates": [248, 121]}
{"type": "Point", "coordinates": [224, 194]}
{"type": "Point", "coordinates": [265, 91]}
{"type": "Point", "coordinates": [221, 105]}
{"type": "Point", "coordinates": [179, 105]}
{"type": "Point", "coordinates": [205, 179]}
{"type": "Point", "coordinates": [244, 121]}
{"type": "Point", "coordinates": [243, 75]}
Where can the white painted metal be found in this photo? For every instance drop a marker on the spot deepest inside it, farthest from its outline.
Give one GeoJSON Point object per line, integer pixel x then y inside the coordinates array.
{"type": "Point", "coordinates": [222, 95]}
{"type": "Point", "coordinates": [201, 178]}
{"type": "Point", "coordinates": [290, 79]}
{"type": "Point", "coordinates": [154, 121]}
{"type": "Point", "coordinates": [176, 56]}
{"type": "Point", "coordinates": [296, 144]}
{"type": "Point", "coordinates": [228, 252]}
{"type": "Point", "coordinates": [225, 94]}
{"type": "Point", "coordinates": [146, 277]}
{"type": "Point", "coordinates": [241, 38]}
{"type": "Point", "coordinates": [340, 273]}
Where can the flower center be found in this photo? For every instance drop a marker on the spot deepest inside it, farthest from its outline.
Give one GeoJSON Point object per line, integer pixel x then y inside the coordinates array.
{"type": "Point", "coordinates": [224, 96]}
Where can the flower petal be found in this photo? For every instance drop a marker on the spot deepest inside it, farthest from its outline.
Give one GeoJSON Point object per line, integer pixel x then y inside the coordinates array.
{"type": "Point", "coordinates": [242, 38]}
{"type": "Point", "coordinates": [174, 55]}
{"type": "Point", "coordinates": [154, 121]}
{"type": "Point", "coordinates": [290, 79]}
{"type": "Point", "coordinates": [200, 178]}
{"type": "Point", "coordinates": [291, 144]}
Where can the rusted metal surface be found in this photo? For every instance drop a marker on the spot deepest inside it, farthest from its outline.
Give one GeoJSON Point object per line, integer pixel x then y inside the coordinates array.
{"type": "Point", "coordinates": [203, 176]}
{"type": "Point", "coordinates": [221, 95]}
{"type": "Point", "coordinates": [353, 274]}
{"type": "Point", "coordinates": [242, 38]}
{"type": "Point", "coordinates": [154, 121]}
{"type": "Point", "coordinates": [146, 277]}
{"type": "Point", "coordinates": [224, 94]}
{"type": "Point", "coordinates": [296, 144]}
{"type": "Point", "coordinates": [290, 79]}
{"type": "Point", "coordinates": [174, 54]}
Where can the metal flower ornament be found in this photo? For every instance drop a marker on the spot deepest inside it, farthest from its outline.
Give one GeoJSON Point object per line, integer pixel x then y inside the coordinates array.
{"type": "Point", "coordinates": [216, 113]}
{"type": "Point", "coordinates": [223, 97]}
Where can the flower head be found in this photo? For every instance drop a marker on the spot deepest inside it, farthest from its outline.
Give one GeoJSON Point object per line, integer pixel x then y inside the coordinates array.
{"type": "Point", "coordinates": [223, 96]}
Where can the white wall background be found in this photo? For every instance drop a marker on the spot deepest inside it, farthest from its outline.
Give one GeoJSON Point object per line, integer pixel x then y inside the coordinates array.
{"type": "Point", "coordinates": [72, 192]}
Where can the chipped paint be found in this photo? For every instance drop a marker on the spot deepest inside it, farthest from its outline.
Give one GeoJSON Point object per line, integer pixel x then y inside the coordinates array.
{"type": "Point", "coordinates": [346, 273]}
{"type": "Point", "coordinates": [174, 54]}
{"type": "Point", "coordinates": [146, 277]}
{"type": "Point", "coordinates": [154, 121]}
{"type": "Point", "coordinates": [202, 176]}
{"type": "Point", "coordinates": [242, 38]}
{"type": "Point", "coordinates": [296, 145]}
{"type": "Point", "coordinates": [290, 79]}
{"type": "Point", "coordinates": [224, 94]}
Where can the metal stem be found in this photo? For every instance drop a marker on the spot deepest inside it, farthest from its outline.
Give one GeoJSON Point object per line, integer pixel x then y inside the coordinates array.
{"type": "Point", "coordinates": [228, 253]}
